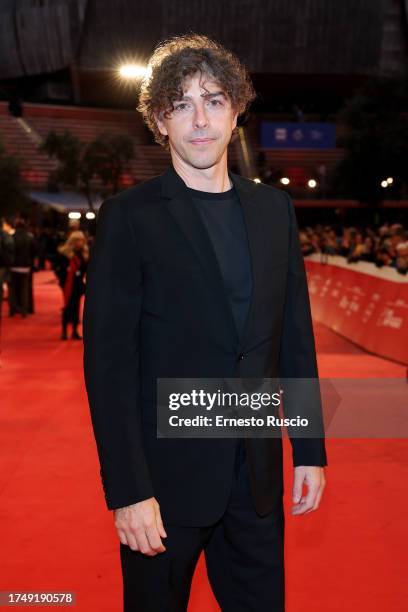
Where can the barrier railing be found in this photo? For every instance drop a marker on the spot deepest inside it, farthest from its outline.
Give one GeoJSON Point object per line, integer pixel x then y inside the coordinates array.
{"type": "Point", "coordinates": [366, 304]}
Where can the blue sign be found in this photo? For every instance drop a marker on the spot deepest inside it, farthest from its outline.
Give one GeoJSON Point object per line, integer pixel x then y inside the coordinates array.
{"type": "Point", "coordinates": [298, 135]}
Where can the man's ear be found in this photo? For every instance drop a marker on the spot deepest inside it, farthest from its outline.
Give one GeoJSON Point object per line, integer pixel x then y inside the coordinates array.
{"type": "Point", "coordinates": [158, 116]}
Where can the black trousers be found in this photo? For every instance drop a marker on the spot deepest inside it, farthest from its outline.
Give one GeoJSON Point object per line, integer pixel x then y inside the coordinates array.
{"type": "Point", "coordinates": [20, 293]}
{"type": "Point", "coordinates": [70, 313]}
{"type": "Point", "coordinates": [244, 556]}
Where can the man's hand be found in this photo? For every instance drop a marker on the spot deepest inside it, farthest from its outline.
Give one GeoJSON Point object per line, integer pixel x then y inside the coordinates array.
{"type": "Point", "coordinates": [140, 527]}
{"type": "Point", "coordinates": [313, 477]}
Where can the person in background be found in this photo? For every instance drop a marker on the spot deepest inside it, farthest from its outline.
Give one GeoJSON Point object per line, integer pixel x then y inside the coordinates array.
{"type": "Point", "coordinates": [382, 258]}
{"type": "Point", "coordinates": [401, 262]}
{"type": "Point", "coordinates": [24, 255]}
{"type": "Point", "coordinates": [6, 257]}
{"type": "Point", "coordinates": [9, 229]}
{"type": "Point", "coordinates": [74, 225]}
{"type": "Point", "coordinates": [330, 241]}
{"type": "Point", "coordinates": [305, 243]}
{"type": "Point", "coordinates": [368, 252]}
{"type": "Point", "coordinates": [357, 249]}
{"type": "Point", "coordinates": [70, 267]}
{"type": "Point", "coordinates": [346, 241]}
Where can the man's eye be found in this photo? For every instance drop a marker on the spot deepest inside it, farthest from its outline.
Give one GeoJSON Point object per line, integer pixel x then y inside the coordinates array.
{"type": "Point", "coordinates": [216, 102]}
{"type": "Point", "coordinates": [181, 106]}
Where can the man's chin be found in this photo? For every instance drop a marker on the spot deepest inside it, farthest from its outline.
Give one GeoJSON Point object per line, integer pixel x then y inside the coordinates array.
{"type": "Point", "coordinates": [203, 163]}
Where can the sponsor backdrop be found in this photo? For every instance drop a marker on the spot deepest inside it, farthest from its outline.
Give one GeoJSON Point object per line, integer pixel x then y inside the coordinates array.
{"type": "Point", "coordinates": [367, 305]}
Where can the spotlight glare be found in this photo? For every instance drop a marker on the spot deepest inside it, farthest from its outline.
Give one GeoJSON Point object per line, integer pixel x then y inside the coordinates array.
{"type": "Point", "coordinates": [257, 180]}
{"type": "Point", "coordinates": [74, 215]}
{"type": "Point", "coordinates": [390, 180]}
{"type": "Point", "coordinates": [384, 184]}
{"type": "Point", "coordinates": [90, 215]}
{"type": "Point", "coordinates": [312, 183]}
{"type": "Point", "coordinates": [132, 71]}
{"type": "Point", "coordinates": [284, 180]}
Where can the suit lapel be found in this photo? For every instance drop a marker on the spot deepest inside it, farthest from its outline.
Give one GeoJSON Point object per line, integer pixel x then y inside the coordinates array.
{"type": "Point", "coordinates": [254, 223]}
{"type": "Point", "coordinates": [182, 209]}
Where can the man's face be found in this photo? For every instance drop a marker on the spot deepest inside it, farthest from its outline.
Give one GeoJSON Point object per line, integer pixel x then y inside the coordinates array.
{"type": "Point", "coordinates": [200, 126]}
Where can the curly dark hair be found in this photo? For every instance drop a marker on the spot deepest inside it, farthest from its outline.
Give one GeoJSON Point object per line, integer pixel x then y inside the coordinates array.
{"type": "Point", "coordinates": [180, 57]}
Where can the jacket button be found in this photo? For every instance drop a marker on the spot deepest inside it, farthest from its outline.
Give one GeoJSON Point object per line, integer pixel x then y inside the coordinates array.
{"type": "Point", "coordinates": [240, 357]}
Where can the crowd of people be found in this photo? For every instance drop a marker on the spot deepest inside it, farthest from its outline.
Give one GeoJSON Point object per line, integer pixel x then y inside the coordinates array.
{"type": "Point", "coordinates": [386, 245]}
{"type": "Point", "coordinates": [25, 250]}
{"type": "Point", "coordinates": [22, 253]}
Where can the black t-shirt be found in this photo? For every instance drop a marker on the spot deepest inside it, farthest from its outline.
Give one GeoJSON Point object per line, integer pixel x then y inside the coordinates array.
{"type": "Point", "coordinates": [223, 218]}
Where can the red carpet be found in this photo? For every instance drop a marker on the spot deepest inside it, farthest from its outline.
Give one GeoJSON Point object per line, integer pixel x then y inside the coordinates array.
{"type": "Point", "coordinates": [56, 534]}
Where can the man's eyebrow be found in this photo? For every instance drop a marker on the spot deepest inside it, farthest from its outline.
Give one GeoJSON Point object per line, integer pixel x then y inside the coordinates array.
{"type": "Point", "coordinates": [214, 93]}
{"type": "Point", "coordinates": [211, 94]}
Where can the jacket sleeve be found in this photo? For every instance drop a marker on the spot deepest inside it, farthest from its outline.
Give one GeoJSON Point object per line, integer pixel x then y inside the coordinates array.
{"type": "Point", "coordinates": [298, 357]}
{"type": "Point", "coordinates": [112, 309]}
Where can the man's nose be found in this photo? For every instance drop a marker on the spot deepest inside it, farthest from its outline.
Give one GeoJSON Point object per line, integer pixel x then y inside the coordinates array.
{"type": "Point", "coordinates": [200, 118]}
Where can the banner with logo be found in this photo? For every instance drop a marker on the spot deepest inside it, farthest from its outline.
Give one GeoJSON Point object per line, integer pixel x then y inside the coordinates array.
{"type": "Point", "coordinates": [297, 135]}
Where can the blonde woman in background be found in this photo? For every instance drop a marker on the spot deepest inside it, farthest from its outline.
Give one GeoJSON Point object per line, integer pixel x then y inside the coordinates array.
{"type": "Point", "coordinates": [70, 268]}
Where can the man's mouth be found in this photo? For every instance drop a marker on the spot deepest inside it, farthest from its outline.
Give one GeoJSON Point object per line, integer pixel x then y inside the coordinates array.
{"type": "Point", "coordinates": [201, 140]}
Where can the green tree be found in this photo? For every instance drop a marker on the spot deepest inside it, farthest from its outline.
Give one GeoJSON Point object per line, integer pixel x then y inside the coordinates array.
{"type": "Point", "coordinates": [72, 170]}
{"type": "Point", "coordinates": [115, 152]}
{"type": "Point", "coordinates": [106, 157]}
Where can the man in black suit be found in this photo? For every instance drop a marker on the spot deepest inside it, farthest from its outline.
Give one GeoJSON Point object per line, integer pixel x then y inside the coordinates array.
{"type": "Point", "coordinates": [197, 273]}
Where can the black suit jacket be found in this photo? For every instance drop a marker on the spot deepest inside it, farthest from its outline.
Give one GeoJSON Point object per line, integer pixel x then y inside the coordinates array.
{"type": "Point", "coordinates": [156, 306]}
